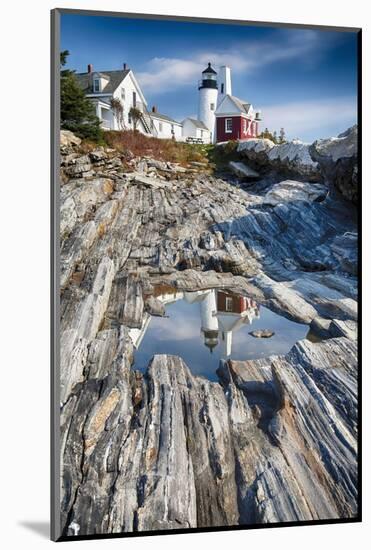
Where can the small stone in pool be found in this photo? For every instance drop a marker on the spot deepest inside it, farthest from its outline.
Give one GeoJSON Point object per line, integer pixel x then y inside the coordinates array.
{"type": "Point", "coordinates": [262, 333]}
{"type": "Point", "coordinates": [154, 307]}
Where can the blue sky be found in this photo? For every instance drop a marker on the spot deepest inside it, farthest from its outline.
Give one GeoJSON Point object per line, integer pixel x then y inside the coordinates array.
{"type": "Point", "coordinates": [302, 79]}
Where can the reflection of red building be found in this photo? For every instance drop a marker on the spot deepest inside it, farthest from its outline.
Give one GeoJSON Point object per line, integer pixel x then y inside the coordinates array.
{"type": "Point", "coordinates": [233, 311]}
{"type": "Point", "coordinates": [232, 303]}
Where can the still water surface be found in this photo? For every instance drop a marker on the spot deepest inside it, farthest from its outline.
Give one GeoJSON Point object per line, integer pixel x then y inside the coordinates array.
{"type": "Point", "coordinates": [206, 326]}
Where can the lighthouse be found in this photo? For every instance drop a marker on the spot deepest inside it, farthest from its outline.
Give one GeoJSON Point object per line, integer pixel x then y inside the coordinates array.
{"type": "Point", "coordinates": [207, 99]}
{"type": "Point", "coordinates": [209, 321]}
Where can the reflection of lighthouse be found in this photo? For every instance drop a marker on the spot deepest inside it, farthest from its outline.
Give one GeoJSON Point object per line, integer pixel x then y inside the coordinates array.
{"type": "Point", "coordinates": [209, 320]}
{"type": "Point", "coordinates": [221, 313]}
{"type": "Point", "coordinates": [233, 312]}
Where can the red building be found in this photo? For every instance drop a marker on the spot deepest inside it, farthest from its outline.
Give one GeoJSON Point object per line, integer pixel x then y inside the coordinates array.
{"type": "Point", "coordinates": [235, 119]}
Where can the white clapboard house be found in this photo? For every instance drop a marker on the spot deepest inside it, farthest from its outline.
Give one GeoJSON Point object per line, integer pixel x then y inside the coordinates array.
{"type": "Point", "coordinates": [102, 87]}
{"type": "Point", "coordinates": [196, 129]}
{"type": "Point", "coordinates": [166, 127]}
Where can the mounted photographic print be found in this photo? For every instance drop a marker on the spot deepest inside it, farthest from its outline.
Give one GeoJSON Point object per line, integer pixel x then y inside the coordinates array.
{"type": "Point", "coordinates": [204, 226]}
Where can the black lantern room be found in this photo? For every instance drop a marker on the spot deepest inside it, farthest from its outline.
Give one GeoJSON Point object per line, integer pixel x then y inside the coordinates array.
{"type": "Point", "coordinates": [208, 78]}
{"type": "Point", "coordinates": [211, 339]}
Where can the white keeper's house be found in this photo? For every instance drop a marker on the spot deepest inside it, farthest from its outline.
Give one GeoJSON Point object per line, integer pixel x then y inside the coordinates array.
{"type": "Point", "coordinates": [102, 87]}
{"type": "Point", "coordinates": [221, 116]}
{"type": "Point", "coordinates": [166, 127]}
{"type": "Point", "coordinates": [194, 128]}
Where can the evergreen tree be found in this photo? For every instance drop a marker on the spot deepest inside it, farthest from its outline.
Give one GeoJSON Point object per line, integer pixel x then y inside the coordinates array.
{"type": "Point", "coordinates": [77, 112]}
{"type": "Point", "coordinates": [282, 135]}
{"type": "Point", "coordinates": [268, 135]}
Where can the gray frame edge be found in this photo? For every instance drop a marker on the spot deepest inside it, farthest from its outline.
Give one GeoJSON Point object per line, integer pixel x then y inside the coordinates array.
{"type": "Point", "coordinates": [55, 528]}
{"type": "Point", "coordinates": [195, 19]}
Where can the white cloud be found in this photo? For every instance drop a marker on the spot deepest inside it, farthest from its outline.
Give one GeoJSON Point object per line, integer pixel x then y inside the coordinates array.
{"type": "Point", "coordinates": [309, 120]}
{"type": "Point", "coordinates": [164, 74]}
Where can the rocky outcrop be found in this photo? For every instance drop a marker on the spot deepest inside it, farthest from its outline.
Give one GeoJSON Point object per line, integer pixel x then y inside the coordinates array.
{"type": "Point", "coordinates": [290, 160]}
{"type": "Point", "coordinates": [294, 191]}
{"type": "Point", "coordinates": [275, 439]}
{"type": "Point", "coordinates": [175, 451]}
{"type": "Point", "coordinates": [333, 161]}
{"type": "Point", "coordinates": [68, 139]}
{"type": "Point", "coordinates": [338, 158]}
{"type": "Point", "coordinates": [286, 472]}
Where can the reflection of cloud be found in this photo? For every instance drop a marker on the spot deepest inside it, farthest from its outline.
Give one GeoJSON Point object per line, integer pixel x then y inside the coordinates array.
{"type": "Point", "coordinates": [164, 74]}
{"type": "Point", "coordinates": [176, 329]}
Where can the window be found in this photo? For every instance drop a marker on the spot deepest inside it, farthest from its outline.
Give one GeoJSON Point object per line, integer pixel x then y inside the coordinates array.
{"type": "Point", "coordinates": [172, 129]}
{"type": "Point", "coordinates": [160, 126]}
{"type": "Point", "coordinates": [228, 303]}
{"type": "Point", "coordinates": [212, 106]}
{"type": "Point", "coordinates": [222, 88]}
{"type": "Point", "coordinates": [96, 85]}
{"type": "Point", "coordinates": [134, 99]}
{"type": "Point", "coordinates": [123, 94]}
{"type": "Point", "coordinates": [228, 125]}
{"type": "Point", "coordinates": [244, 125]}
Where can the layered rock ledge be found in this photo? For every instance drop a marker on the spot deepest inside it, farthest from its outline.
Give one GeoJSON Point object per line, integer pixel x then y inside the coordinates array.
{"type": "Point", "coordinates": [275, 439]}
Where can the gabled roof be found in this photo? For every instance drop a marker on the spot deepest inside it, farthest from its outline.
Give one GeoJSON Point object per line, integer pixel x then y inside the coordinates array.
{"type": "Point", "coordinates": [163, 117]}
{"type": "Point", "coordinates": [240, 105]}
{"type": "Point", "coordinates": [197, 123]}
{"type": "Point", "coordinates": [114, 80]}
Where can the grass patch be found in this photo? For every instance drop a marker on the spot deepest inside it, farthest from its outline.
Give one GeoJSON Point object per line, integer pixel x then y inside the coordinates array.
{"type": "Point", "coordinates": [86, 146]}
{"type": "Point", "coordinates": [160, 149]}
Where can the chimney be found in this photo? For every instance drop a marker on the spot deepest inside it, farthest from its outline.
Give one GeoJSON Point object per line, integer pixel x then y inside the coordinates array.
{"type": "Point", "coordinates": [225, 82]}
{"type": "Point", "coordinates": [124, 66]}
{"type": "Point", "coordinates": [90, 68]}
{"type": "Point", "coordinates": [154, 109]}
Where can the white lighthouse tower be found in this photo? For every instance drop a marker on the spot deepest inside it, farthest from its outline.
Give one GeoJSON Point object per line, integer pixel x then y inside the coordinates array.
{"type": "Point", "coordinates": [225, 83]}
{"type": "Point", "coordinates": [209, 320]}
{"type": "Point", "coordinates": [207, 99]}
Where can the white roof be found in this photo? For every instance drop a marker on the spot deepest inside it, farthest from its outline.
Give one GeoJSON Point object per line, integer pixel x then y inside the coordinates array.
{"type": "Point", "coordinates": [197, 123]}
{"type": "Point", "coordinates": [231, 104]}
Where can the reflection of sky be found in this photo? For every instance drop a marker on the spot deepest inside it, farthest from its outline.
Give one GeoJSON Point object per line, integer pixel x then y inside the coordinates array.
{"type": "Point", "coordinates": [180, 334]}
